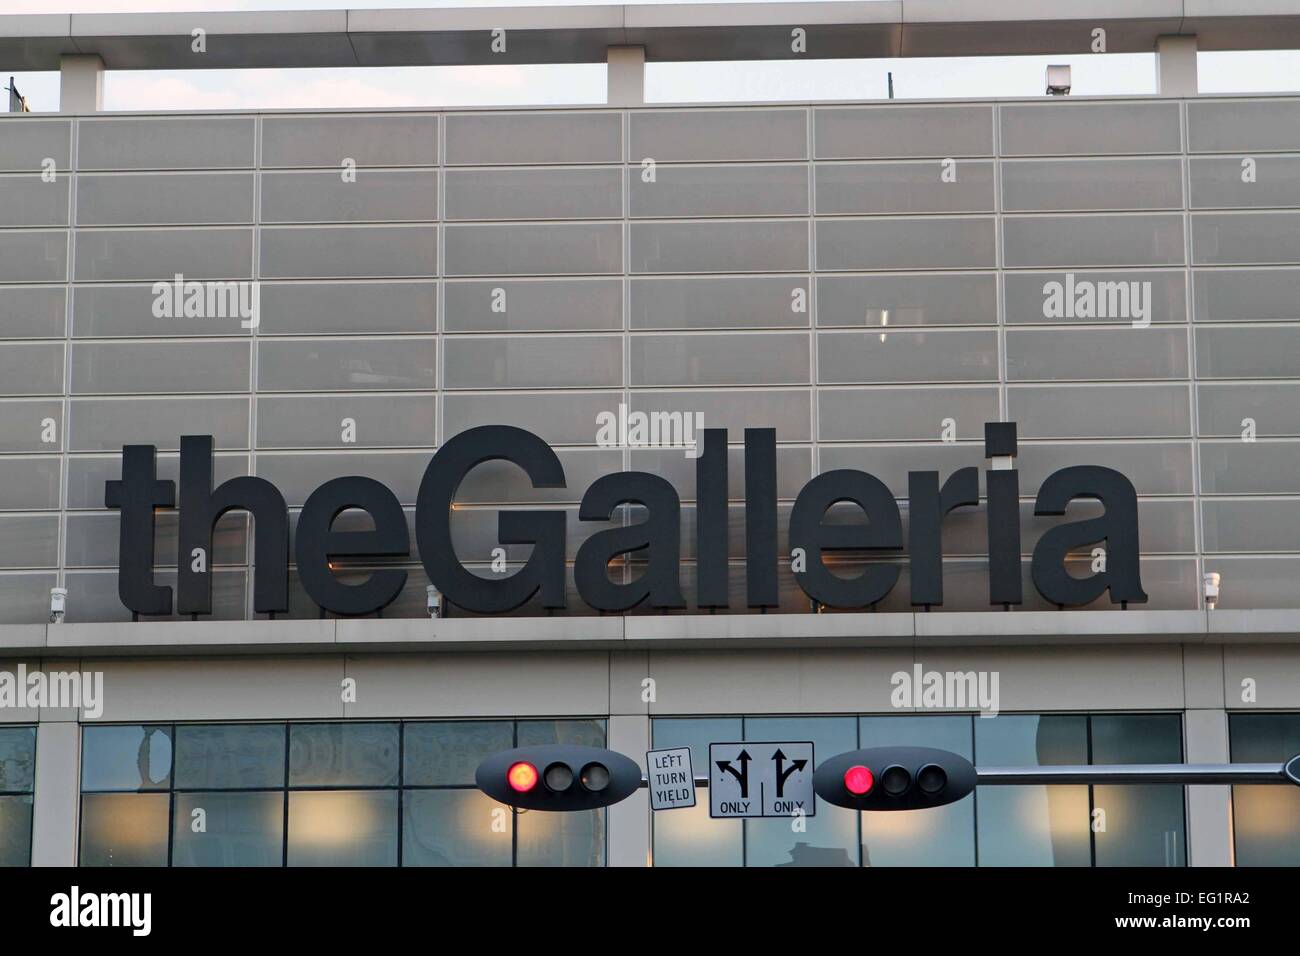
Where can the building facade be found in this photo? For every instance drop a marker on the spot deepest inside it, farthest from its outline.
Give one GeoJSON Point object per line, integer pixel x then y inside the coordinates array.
{"type": "Point", "coordinates": [874, 281]}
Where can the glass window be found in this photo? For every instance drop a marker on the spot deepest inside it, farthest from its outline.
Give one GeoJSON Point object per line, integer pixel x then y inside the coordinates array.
{"type": "Point", "coordinates": [15, 829]}
{"type": "Point", "coordinates": [460, 827]}
{"type": "Point", "coordinates": [17, 779]}
{"type": "Point", "coordinates": [356, 794]}
{"type": "Point", "coordinates": [342, 828]}
{"type": "Point", "coordinates": [124, 829]}
{"type": "Point", "coordinates": [1137, 825]}
{"type": "Point", "coordinates": [688, 837]}
{"type": "Point", "coordinates": [1026, 825]}
{"type": "Point", "coordinates": [1265, 819]}
{"type": "Point", "coordinates": [229, 829]}
{"type": "Point", "coordinates": [126, 758]}
{"type": "Point", "coordinates": [446, 753]}
{"type": "Point", "coordinates": [17, 759]}
{"type": "Point", "coordinates": [938, 836]}
{"type": "Point", "coordinates": [560, 839]}
{"type": "Point", "coordinates": [234, 756]}
{"type": "Point", "coordinates": [333, 755]}
{"type": "Point", "coordinates": [830, 836]}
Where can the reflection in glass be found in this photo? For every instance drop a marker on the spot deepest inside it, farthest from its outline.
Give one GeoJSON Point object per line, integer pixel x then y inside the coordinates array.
{"type": "Point", "coordinates": [15, 830]}
{"type": "Point", "coordinates": [233, 829]}
{"type": "Point", "coordinates": [1144, 825]}
{"type": "Point", "coordinates": [1032, 826]}
{"type": "Point", "coordinates": [124, 829]}
{"type": "Point", "coordinates": [689, 837]}
{"type": "Point", "coordinates": [342, 755]}
{"type": "Point", "coordinates": [830, 837]}
{"type": "Point", "coordinates": [127, 758]}
{"type": "Point", "coordinates": [1265, 819]}
{"type": "Point", "coordinates": [584, 733]}
{"type": "Point", "coordinates": [17, 759]}
{"type": "Point", "coordinates": [446, 753]}
{"type": "Point", "coordinates": [940, 836]}
{"type": "Point", "coordinates": [561, 839]}
{"type": "Point", "coordinates": [454, 828]}
{"type": "Point", "coordinates": [343, 828]}
{"type": "Point", "coordinates": [236, 756]}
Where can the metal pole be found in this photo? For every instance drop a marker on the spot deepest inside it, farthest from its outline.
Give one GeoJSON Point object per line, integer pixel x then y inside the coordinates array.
{"type": "Point", "coordinates": [1173, 773]}
{"type": "Point", "coordinates": [1131, 773]}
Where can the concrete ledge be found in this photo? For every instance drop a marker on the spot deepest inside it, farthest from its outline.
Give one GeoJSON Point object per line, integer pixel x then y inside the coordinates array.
{"type": "Point", "coordinates": [1264, 626]}
{"type": "Point", "coordinates": [199, 637]}
{"type": "Point", "coordinates": [647, 632]}
{"type": "Point", "coordinates": [769, 630]}
{"type": "Point", "coordinates": [670, 32]}
{"type": "Point", "coordinates": [506, 633]}
{"type": "Point", "coordinates": [1063, 627]}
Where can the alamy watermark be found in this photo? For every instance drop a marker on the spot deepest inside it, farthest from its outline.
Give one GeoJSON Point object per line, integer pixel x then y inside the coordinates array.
{"type": "Point", "coordinates": [74, 908]}
{"type": "Point", "coordinates": [629, 429]}
{"type": "Point", "coordinates": [945, 690]}
{"type": "Point", "coordinates": [83, 690]}
{"type": "Point", "coordinates": [180, 299]}
{"type": "Point", "coordinates": [1086, 299]}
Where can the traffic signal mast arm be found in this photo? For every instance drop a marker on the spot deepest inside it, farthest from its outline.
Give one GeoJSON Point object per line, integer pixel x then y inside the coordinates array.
{"type": "Point", "coordinates": [1134, 773]}
{"type": "Point", "coordinates": [1173, 773]}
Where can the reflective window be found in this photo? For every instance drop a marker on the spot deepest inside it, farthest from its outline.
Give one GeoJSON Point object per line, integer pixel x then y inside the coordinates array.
{"type": "Point", "coordinates": [378, 793]}
{"type": "Point", "coordinates": [17, 777]}
{"type": "Point", "coordinates": [995, 826]}
{"type": "Point", "coordinates": [1265, 819]}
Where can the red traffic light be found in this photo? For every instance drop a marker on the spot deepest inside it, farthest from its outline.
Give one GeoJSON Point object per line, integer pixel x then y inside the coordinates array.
{"type": "Point", "coordinates": [859, 780]}
{"type": "Point", "coordinates": [521, 776]}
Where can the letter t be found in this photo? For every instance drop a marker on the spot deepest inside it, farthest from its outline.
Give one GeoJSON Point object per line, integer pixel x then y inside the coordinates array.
{"type": "Point", "coordinates": [137, 495]}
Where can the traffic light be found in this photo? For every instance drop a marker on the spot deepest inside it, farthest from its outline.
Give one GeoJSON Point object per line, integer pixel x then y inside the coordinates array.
{"type": "Point", "coordinates": [558, 777]}
{"type": "Point", "coordinates": [894, 778]}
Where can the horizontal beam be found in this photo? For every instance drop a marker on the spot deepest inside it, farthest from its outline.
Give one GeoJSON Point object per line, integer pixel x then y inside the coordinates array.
{"type": "Point", "coordinates": [1174, 773]}
{"type": "Point", "coordinates": [172, 638]}
{"type": "Point", "coordinates": [671, 32]}
{"type": "Point", "coordinates": [1116, 774]}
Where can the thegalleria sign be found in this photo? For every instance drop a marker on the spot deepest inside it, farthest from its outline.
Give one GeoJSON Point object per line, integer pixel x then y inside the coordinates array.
{"type": "Point", "coordinates": [655, 540]}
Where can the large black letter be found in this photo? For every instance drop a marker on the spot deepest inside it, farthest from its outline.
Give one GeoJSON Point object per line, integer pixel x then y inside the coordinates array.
{"type": "Point", "coordinates": [544, 530]}
{"type": "Point", "coordinates": [201, 506]}
{"type": "Point", "coordinates": [1118, 527]}
{"type": "Point", "coordinates": [1002, 483]}
{"type": "Point", "coordinates": [316, 543]}
{"type": "Point", "coordinates": [760, 518]}
{"type": "Point", "coordinates": [883, 532]}
{"type": "Point", "coordinates": [660, 532]}
{"type": "Point", "coordinates": [137, 494]}
{"type": "Point", "coordinates": [926, 507]}
{"type": "Point", "coordinates": [711, 571]}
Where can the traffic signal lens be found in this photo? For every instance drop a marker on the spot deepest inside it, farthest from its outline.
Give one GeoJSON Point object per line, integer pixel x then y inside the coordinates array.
{"type": "Point", "coordinates": [931, 778]}
{"type": "Point", "coordinates": [521, 776]}
{"type": "Point", "coordinates": [895, 780]}
{"type": "Point", "coordinates": [559, 777]}
{"type": "Point", "coordinates": [595, 777]}
{"type": "Point", "coordinates": [858, 780]}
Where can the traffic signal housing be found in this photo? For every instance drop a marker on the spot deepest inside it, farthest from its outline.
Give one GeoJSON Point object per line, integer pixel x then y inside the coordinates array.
{"type": "Point", "coordinates": [894, 778]}
{"type": "Point", "coordinates": [558, 777]}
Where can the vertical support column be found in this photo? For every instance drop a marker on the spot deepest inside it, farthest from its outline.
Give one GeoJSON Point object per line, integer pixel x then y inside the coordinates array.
{"type": "Point", "coordinates": [629, 733]}
{"type": "Point", "coordinates": [1176, 66]}
{"type": "Point", "coordinates": [81, 84]}
{"type": "Point", "coordinates": [1205, 734]}
{"type": "Point", "coordinates": [625, 79]}
{"type": "Point", "coordinates": [56, 798]}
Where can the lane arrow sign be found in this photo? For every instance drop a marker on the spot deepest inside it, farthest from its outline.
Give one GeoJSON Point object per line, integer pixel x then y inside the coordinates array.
{"type": "Point", "coordinates": [741, 775]}
{"type": "Point", "coordinates": [783, 775]}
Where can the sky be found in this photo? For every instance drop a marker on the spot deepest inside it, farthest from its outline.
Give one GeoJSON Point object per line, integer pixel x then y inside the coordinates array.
{"type": "Point", "coordinates": [1093, 74]}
